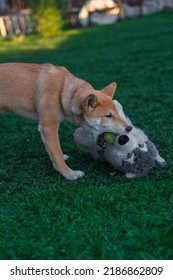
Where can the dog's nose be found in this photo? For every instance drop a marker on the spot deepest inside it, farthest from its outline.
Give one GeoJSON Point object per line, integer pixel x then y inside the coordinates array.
{"type": "Point", "coordinates": [128, 128]}
{"type": "Point", "coordinates": [123, 139]}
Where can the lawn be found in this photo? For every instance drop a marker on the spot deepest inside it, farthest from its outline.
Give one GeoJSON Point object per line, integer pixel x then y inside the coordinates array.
{"type": "Point", "coordinates": [44, 216]}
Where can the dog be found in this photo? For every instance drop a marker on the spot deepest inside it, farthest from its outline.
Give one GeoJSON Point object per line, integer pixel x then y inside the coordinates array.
{"type": "Point", "coordinates": [51, 94]}
{"type": "Point", "coordinates": [133, 154]}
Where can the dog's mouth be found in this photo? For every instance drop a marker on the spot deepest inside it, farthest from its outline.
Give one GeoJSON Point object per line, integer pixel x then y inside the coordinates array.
{"type": "Point", "coordinates": [121, 140]}
{"type": "Point", "coordinates": [101, 141]}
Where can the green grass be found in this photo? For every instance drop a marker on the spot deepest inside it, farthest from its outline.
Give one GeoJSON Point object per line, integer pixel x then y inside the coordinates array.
{"type": "Point", "coordinates": [44, 216]}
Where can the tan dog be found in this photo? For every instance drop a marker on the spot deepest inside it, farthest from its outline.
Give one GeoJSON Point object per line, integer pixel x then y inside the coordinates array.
{"type": "Point", "coordinates": [52, 94]}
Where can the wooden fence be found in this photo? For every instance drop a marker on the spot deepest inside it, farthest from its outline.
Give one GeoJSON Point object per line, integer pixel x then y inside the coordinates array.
{"type": "Point", "coordinates": [15, 24]}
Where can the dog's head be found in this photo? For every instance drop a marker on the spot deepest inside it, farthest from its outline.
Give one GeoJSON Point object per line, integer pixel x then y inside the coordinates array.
{"type": "Point", "coordinates": [102, 114]}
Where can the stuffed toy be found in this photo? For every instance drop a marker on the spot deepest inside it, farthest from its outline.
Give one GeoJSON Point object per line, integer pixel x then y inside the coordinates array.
{"type": "Point", "coordinates": [133, 153]}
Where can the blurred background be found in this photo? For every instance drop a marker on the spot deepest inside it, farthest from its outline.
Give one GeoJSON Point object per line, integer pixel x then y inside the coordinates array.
{"type": "Point", "coordinates": [49, 17]}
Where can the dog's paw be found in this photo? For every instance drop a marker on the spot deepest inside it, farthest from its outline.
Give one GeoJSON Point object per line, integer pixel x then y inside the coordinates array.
{"type": "Point", "coordinates": [74, 174]}
{"type": "Point", "coordinates": [66, 157]}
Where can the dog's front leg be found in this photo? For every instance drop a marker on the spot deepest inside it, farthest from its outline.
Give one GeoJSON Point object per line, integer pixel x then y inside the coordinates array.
{"type": "Point", "coordinates": [49, 135]}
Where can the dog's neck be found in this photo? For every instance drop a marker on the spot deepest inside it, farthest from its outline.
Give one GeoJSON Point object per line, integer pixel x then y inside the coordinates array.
{"type": "Point", "coordinates": [78, 89]}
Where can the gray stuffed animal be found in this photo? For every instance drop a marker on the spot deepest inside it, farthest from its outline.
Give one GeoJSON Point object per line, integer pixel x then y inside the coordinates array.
{"type": "Point", "coordinates": [133, 154]}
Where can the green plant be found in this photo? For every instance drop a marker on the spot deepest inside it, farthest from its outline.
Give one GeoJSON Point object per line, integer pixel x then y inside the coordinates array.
{"type": "Point", "coordinates": [47, 16]}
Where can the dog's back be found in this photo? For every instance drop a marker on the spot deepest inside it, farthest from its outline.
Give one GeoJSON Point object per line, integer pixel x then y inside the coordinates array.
{"type": "Point", "coordinates": [17, 86]}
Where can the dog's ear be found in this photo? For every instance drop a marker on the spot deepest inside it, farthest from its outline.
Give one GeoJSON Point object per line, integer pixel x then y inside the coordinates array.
{"type": "Point", "coordinates": [89, 103]}
{"type": "Point", "coordinates": [110, 89]}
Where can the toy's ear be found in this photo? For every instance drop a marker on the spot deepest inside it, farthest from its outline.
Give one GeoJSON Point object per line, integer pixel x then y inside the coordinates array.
{"type": "Point", "coordinates": [130, 175]}
{"type": "Point", "coordinates": [110, 89]}
{"type": "Point", "coordinates": [89, 103]}
{"type": "Point", "coordinates": [159, 161]}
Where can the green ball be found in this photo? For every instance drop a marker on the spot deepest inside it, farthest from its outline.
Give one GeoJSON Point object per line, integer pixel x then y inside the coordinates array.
{"type": "Point", "coordinates": [110, 137]}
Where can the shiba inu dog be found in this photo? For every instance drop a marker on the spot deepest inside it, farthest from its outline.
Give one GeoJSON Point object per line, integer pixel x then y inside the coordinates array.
{"type": "Point", "coordinates": [51, 94]}
{"type": "Point", "coordinates": [133, 154]}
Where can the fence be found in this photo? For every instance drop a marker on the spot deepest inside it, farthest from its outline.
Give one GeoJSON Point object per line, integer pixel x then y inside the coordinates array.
{"type": "Point", "coordinates": [15, 24]}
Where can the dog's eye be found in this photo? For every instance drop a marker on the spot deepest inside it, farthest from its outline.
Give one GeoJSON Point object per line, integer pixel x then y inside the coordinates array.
{"type": "Point", "coordinates": [129, 155]}
{"type": "Point", "coordinates": [141, 146]}
{"type": "Point", "coordinates": [109, 115]}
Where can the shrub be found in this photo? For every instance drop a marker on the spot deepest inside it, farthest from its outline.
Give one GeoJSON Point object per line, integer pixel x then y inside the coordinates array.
{"type": "Point", "coordinates": [47, 16]}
